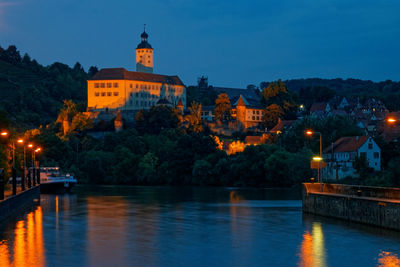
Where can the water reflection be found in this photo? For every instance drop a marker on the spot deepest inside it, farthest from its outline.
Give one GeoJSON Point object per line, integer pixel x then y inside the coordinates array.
{"type": "Point", "coordinates": [28, 248]}
{"type": "Point", "coordinates": [388, 259]}
{"type": "Point", "coordinates": [312, 250]}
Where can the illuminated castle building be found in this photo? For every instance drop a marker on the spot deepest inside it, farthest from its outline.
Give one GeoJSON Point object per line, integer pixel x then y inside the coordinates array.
{"type": "Point", "coordinates": [120, 89]}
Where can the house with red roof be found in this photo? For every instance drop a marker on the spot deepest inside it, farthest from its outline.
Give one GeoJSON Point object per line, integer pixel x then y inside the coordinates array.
{"type": "Point", "coordinates": [341, 154]}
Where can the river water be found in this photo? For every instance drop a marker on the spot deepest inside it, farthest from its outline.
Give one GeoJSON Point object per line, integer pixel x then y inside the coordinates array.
{"type": "Point", "coordinates": [166, 226]}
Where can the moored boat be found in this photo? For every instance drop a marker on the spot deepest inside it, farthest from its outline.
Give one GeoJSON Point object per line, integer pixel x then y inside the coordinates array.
{"type": "Point", "coordinates": [52, 181]}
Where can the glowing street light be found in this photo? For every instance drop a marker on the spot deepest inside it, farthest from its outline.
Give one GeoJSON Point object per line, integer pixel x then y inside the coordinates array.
{"type": "Point", "coordinates": [319, 159]}
{"type": "Point", "coordinates": [4, 133]}
{"type": "Point", "coordinates": [391, 120]}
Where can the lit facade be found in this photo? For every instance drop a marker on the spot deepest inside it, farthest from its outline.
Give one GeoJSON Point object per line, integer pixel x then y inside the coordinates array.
{"type": "Point", "coordinates": [120, 89]}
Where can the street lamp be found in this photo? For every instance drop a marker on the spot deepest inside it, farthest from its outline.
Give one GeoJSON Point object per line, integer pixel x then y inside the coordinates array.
{"type": "Point", "coordinates": [391, 120]}
{"type": "Point", "coordinates": [37, 174]}
{"type": "Point", "coordinates": [318, 159]}
{"type": "Point", "coordinates": [23, 176]}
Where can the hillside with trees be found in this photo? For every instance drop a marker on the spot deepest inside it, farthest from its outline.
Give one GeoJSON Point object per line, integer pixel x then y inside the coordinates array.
{"type": "Point", "coordinates": [32, 94]}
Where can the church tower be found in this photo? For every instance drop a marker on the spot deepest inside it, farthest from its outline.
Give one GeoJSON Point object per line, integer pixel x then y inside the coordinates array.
{"type": "Point", "coordinates": [144, 54]}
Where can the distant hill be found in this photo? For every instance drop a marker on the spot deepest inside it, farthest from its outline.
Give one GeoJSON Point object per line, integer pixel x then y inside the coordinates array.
{"type": "Point", "coordinates": [33, 94]}
{"type": "Point", "coordinates": [387, 91]}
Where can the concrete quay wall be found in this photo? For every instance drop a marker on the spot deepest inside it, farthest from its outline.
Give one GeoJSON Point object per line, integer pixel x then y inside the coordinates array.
{"type": "Point", "coordinates": [370, 205]}
{"type": "Point", "coordinates": [18, 203]}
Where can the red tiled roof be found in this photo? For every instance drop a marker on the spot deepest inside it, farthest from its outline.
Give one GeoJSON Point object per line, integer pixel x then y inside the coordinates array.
{"type": "Point", "coordinates": [123, 74]}
{"type": "Point", "coordinates": [347, 144]}
{"type": "Point", "coordinates": [253, 140]}
{"type": "Point", "coordinates": [281, 125]}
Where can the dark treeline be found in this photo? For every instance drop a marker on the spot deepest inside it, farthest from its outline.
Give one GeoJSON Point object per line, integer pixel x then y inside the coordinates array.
{"type": "Point", "coordinates": [33, 94]}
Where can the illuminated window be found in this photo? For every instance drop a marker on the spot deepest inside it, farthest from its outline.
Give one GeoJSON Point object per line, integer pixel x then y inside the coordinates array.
{"type": "Point", "coordinates": [96, 85]}
{"type": "Point", "coordinates": [109, 94]}
{"type": "Point", "coordinates": [116, 93]}
{"type": "Point", "coordinates": [116, 85]}
{"type": "Point", "coordinates": [96, 94]}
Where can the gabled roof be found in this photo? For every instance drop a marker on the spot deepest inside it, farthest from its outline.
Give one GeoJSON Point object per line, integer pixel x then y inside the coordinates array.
{"type": "Point", "coordinates": [347, 144]}
{"type": "Point", "coordinates": [123, 74]}
{"type": "Point", "coordinates": [249, 103]}
{"type": "Point", "coordinates": [250, 94]}
{"type": "Point", "coordinates": [282, 125]}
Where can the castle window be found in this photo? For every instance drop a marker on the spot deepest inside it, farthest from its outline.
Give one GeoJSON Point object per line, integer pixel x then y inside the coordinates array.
{"type": "Point", "coordinates": [109, 85]}
{"type": "Point", "coordinates": [149, 61]}
{"type": "Point", "coordinates": [103, 94]}
{"type": "Point", "coordinates": [96, 94]}
{"type": "Point", "coordinates": [258, 112]}
{"type": "Point", "coordinates": [258, 118]}
{"type": "Point", "coordinates": [115, 93]}
{"type": "Point", "coordinates": [102, 85]}
{"type": "Point", "coordinates": [253, 118]}
{"type": "Point", "coordinates": [116, 85]}
{"type": "Point", "coordinates": [130, 86]}
{"type": "Point", "coordinates": [137, 86]}
{"type": "Point", "coordinates": [109, 94]}
{"type": "Point", "coordinates": [96, 85]}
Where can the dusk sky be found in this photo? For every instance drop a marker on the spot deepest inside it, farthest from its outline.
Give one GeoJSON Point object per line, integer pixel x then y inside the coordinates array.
{"type": "Point", "coordinates": [234, 43]}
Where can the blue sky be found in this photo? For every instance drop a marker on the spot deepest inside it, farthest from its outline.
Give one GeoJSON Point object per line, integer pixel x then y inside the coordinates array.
{"type": "Point", "coordinates": [234, 43]}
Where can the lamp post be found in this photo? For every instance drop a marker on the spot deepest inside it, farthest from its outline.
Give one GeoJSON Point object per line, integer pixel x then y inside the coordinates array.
{"type": "Point", "coordinates": [319, 159]}
{"type": "Point", "coordinates": [23, 176]}
{"type": "Point", "coordinates": [2, 174]}
{"type": "Point", "coordinates": [36, 174]}
{"type": "Point", "coordinates": [30, 146]}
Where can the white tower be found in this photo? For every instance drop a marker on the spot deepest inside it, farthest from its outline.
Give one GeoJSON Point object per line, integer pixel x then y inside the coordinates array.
{"type": "Point", "coordinates": [144, 55]}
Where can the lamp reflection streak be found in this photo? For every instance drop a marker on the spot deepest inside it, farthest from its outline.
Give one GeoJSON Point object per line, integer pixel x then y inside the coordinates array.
{"type": "Point", "coordinates": [28, 246]}
{"type": "Point", "coordinates": [312, 250]}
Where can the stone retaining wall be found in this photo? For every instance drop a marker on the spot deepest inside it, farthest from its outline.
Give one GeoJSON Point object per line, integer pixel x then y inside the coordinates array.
{"type": "Point", "coordinates": [371, 205]}
{"type": "Point", "coordinates": [14, 204]}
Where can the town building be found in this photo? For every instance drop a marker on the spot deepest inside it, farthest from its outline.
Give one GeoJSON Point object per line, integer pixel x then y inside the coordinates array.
{"type": "Point", "coordinates": [120, 89]}
{"type": "Point", "coordinates": [341, 155]}
{"type": "Point", "coordinates": [248, 114]}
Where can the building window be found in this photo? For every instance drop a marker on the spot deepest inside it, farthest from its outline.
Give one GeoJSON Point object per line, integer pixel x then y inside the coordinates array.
{"type": "Point", "coordinates": [363, 154]}
{"type": "Point", "coordinates": [370, 146]}
{"type": "Point", "coordinates": [137, 103]}
{"type": "Point", "coordinates": [103, 94]}
{"type": "Point", "coordinates": [116, 93]}
{"type": "Point", "coordinates": [376, 155]}
{"type": "Point", "coordinates": [116, 85]}
{"type": "Point", "coordinates": [254, 112]}
{"type": "Point", "coordinates": [258, 118]}
{"type": "Point", "coordinates": [109, 94]}
{"type": "Point", "coordinates": [96, 94]}
{"type": "Point", "coordinates": [258, 112]}
{"type": "Point", "coordinates": [253, 118]}
{"type": "Point", "coordinates": [149, 61]}
{"type": "Point", "coordinates": [137, 86]}
{"type": "Point", "coordinates": [102, 85]}
{"type": "Point", "coordinates": [109, 85]}
{"type": "Point", "coordinates": [96, 85]}
{"type": "Point", "coordinates": [130, 86]}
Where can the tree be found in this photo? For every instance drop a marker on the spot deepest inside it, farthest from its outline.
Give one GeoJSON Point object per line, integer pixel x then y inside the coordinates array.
{"type": "Point", "coordinates": [271, 116]}
{"type": "Point", "coordinates": [222, 107]}
{"type": "Point", "coordinates": [68, 111]}
{"type": "Point", "coordinates": [194, 118]}
{"type": "Point", "coordinates": [360, 164]}
{"type": "Point", "coordinates": [156, 119]}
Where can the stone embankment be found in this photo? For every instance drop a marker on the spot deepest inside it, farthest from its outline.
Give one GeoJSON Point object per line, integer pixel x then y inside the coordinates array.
{"type": "Point", "coordinates": [370, 205]}
{"type": "Point", "coordinates": [14, 205]}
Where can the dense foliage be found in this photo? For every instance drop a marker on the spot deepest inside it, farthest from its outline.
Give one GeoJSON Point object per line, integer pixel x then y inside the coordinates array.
{"type": "Point", "coordinates": [32, 94]}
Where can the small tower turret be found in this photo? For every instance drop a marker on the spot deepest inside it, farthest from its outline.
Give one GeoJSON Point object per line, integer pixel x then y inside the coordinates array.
{"type": "Point", "coordinates": [144, 54]}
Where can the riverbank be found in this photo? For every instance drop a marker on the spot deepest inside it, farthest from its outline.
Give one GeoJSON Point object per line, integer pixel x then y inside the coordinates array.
{"type": "Point", "coordinates": [14, 205]}
{"type": "Point", "coordinates": [363, 204]}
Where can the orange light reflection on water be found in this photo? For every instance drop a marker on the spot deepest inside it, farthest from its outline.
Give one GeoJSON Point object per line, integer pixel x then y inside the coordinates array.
{"type": "Point", "coordinates": [388, 259]}
{"type": "Point", "coordinates": [28, 246]}
{"type": "Point", "coordinates": [312, 250]}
